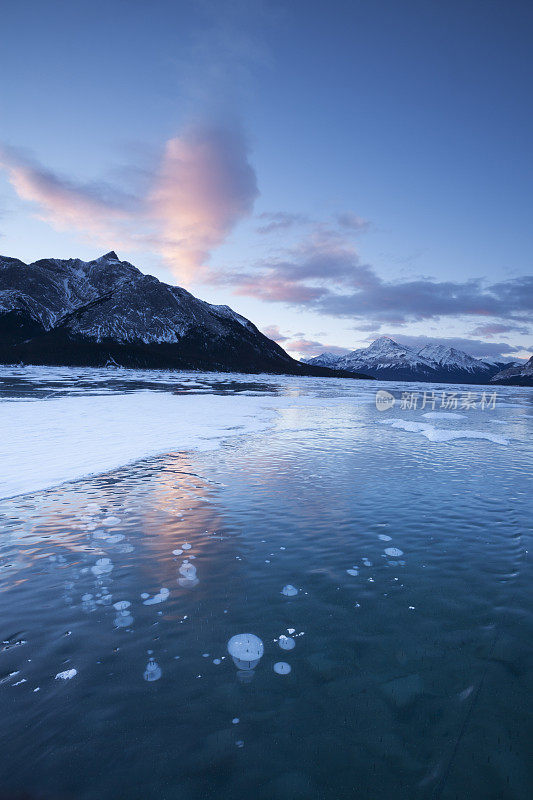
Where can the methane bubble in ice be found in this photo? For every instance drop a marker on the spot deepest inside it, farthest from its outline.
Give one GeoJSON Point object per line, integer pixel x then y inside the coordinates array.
{"type": "Point", "coordinates": [177, 552]}
{"type": "Point", "coordinates": [186, 546]}
{"type": "Point", "coordinates": [246, 650]}
{"type": "Point", "coordinates": [384, 537]}
{"type": "Point", "coordinates": [160, 597]}
{"type": "Point", "coordinates": [282, 668]}
{"type": "Point", "coordinates": [115, 538]}
{"type": "Point", "coordinates": [286, 642]}
{"type": "Point", "coordinates": [66, 675]}
{"type": "Point", "coordinates": [188, 577]}
{"type": "Point", "coordinates": [109, 521]}
{"type": "Point", "coordinates": [102, 566]}
{"type": "Point", "coordinates": [289, 590]}
{"type": "Point", "coordinates": [352, 571]}
{"type": "Point", "coordinates": [393, 551]}
{"type": "Point", "coordinates": [152, 671]}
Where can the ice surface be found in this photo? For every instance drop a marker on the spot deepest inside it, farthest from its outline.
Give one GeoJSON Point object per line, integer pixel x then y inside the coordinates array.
{"type": "Point", "coordinates": [73, 437]}
{"type": "Point", "coordinates": [442, 434]}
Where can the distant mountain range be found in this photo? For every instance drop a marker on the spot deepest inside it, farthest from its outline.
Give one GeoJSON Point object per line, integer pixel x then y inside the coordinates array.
{"type": "Point", "coordinates": [518, 375]}
{"type": "Point", "coordinates": [107, 312]}
{"type": "Point", "coordinates": [385, 359]}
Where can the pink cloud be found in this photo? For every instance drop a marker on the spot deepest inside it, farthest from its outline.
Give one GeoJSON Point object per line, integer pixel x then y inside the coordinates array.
{"type": "Point", "coordinates": [96, 209]}
{"type": "Point", "coordinates": [204, 186]}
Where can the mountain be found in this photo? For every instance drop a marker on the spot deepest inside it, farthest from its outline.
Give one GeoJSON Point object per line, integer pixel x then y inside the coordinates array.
{"type": "Point", "coordinates": [387, 360]}
{"type": "Point", "coordinates": [518, 375]}
{"type": "Point", "coordinates": [90, 313]}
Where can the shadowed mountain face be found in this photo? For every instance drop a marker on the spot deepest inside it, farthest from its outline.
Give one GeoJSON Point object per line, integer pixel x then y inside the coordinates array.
{"type": "Point", "coordinates": [72, 312]}
{"type": "Point", "coordinates": [518, 375]}
{"type": "Point", "coordinates": [387, 360]}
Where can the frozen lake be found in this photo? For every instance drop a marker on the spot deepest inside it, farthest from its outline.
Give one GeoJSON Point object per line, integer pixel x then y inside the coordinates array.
{"type": "Point", "coordinates": [381, 557]}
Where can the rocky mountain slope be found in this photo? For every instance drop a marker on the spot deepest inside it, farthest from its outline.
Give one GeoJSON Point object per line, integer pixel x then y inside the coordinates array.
{"type": "Point", "coordinates": [518, 375]}
{"type": "Point", "coordinates": [73, 312]}
{"type": "Point", "coordinates": [387, 360]}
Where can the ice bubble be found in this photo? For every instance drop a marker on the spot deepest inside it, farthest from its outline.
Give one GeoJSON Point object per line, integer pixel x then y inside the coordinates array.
{"type": "Point", "coordinates": [235, 720]}
{"type": "Point", "coordinates": [186, 546]}
{"type": "Point", "coordinates": [160, 597]}
{"type": "Point", "coordinates": [123, 619]}
{"type": "Point", "coordinates": [115, 538]}
{"type": "Point", "coordinates": [291, 630]}
{"type": "Point", "coordinates": [217, 661]}
{"type": "Point", "coordinates": [109, 521]}
{"type": "Point", "coordinates": [286, 642]}
{"type": "Point", "coordinates": [384, 537]}
{"type": "Point", "coordinates": [187, 570]}
{"type": "Point", "coordinates": [282, 668]}
{"type": "Point", "coordinates": [246, 650]}
{"type": "Point", "coordinates": [393, 551]}
{"type": "Point", "coordinates": [366, 562]}
{"type": "Point", "coordinates": [92, 508]}
{"type": "Point", "coordinates": [122, 605]}
{"type": "Point", "coordinates": [152, 671]}
{"type": "Point", "coordinates": [177, 552]}
{"type": "Point", "coordinates": [66, 675]}
{"type": "Point", "coordinates": [289, 590]}
{"type": "Point", "coordinates": [102, 566]}
{"type": "Point", "coordinates": [144, 595]}
{"type": "Point", "coordinates": [352, 572]}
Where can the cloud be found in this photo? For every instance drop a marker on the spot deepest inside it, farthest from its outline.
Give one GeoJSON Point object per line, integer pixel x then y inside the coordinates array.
{"type": "Point", "coordinates": [352, 221]}
{"type": "Point", "coordinates": [280, 220]}
{"type": "Point", "coordinates": [309, 348]}
{"type": "Point", "coordinates": [204, 186]}
{"type": "Point", "coordinates": [273, 332]}
{"type": "Point", "coordinates": [98, 209]}
{"type": "Point", "coordinates": [492, 329]}
{"type": "Point", "coordinates": [324, 274]}
{"type": "Point", "coordinates": [474, 347]}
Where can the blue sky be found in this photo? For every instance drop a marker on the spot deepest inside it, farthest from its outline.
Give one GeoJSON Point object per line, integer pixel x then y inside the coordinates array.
{"type": "Point", "coordinates": [333, 171]}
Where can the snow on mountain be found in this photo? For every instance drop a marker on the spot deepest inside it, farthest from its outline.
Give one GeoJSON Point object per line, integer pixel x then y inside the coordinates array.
{"type": "Point", "coordinates": [517, 375]}
{"type": "Point", "coordinates": [388, 360]}
{"type": "Point", "coordinates": [449, 357]}
{"type": "Point", "coordinates": [75, 312]}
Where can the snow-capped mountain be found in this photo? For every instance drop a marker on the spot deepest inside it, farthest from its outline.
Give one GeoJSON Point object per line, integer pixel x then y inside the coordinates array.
{"type": "Point", "coordinates": [74, 312]}
{"type": "Point", "coordinates": [517, 375]}
{"type": "Point", "coordinates": [388, 360]}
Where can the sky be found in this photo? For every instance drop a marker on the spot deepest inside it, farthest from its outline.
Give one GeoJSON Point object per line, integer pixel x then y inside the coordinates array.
{"type": "Point", "coordinates": [332, 171]}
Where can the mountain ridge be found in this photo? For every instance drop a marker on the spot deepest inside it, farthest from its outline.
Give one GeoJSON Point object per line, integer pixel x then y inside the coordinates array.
{"type": "Point", "coordinates": [385, 359]}
{"type": "Point", "coordinates": [89, 313]}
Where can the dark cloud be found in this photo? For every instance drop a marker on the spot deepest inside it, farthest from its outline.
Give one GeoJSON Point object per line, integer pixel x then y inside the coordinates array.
{"type": "Point", "coordinates": [491, 329]}
{"type": "Point", "coordinates": [324, 274]}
